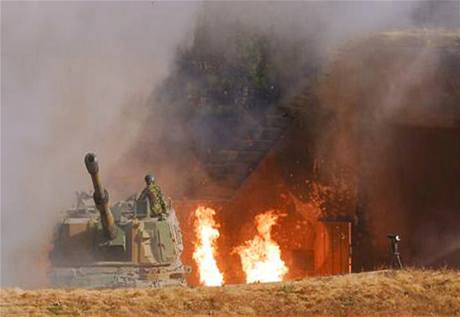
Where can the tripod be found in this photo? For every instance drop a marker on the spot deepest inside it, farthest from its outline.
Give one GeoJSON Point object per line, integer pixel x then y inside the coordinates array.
{"type": "Point", "coordinates": [395, 256]}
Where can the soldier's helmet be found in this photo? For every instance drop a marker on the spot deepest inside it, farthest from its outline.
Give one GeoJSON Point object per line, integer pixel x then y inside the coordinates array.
{"type": "Point", "coordinates": [149, 179]}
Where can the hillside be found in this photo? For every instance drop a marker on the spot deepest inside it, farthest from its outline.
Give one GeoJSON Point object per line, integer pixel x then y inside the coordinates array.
{"type": "Point", "coordinates": [383, 293]}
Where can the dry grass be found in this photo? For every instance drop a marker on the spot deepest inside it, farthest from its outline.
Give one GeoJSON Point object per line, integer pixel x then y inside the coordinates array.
{"type": "Point", "coordinates": [384, 293]}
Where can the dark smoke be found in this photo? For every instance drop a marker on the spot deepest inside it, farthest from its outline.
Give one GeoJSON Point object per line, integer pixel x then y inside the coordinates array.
{"type": "Point", "coordinates": [243, 61]}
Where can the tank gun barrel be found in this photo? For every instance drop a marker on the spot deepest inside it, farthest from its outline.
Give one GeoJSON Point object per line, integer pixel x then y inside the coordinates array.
{"type": "Point", "coordinates": [101, 197]}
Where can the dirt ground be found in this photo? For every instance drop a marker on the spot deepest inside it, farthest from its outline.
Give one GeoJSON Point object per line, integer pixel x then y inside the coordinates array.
{"type": "Point", "coordinates": [383, 293]}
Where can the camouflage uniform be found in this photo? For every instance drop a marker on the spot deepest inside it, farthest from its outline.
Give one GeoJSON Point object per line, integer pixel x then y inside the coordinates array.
{"type": "Point", "coordinates": [155, 197]}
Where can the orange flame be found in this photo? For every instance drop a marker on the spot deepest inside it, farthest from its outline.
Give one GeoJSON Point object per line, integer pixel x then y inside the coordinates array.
{"type": "Point", "coordinates": [206, 231]}
{"type": "Point", "coordinates": [261, 256]}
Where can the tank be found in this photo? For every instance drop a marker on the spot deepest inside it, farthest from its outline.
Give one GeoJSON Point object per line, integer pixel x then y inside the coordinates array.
{"type": "Point", "coordinates": [99, 245]}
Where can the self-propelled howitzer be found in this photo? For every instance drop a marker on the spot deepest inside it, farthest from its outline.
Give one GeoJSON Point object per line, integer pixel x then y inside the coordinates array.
{"type": "Point", "coordinates": [120, 245]}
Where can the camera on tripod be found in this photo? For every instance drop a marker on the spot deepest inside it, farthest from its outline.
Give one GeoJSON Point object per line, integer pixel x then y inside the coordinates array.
{"type": "Point", "coordinates": [395, 257]}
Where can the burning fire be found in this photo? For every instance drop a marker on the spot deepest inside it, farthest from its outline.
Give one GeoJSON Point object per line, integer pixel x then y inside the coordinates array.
{"type": "Point", "coordinates": [261, 256]}
{"type": "Point", "coordinates": [205, 250]}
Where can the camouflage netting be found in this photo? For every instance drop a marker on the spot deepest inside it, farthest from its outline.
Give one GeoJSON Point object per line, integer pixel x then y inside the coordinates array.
{"type": "Point", "coordinates": [222, 105]}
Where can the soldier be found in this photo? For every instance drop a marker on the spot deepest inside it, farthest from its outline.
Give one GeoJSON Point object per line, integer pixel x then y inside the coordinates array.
{"type": "Point", "coordinates": [155, 198]}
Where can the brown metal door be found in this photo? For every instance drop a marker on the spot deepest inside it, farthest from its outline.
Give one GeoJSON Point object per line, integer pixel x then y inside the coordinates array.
{"type": "Point", "coordinates": [333, 248]}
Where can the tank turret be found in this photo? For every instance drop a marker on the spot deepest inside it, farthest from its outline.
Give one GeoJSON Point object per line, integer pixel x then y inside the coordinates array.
{"type": "Point", "coordinates": [101, 197]}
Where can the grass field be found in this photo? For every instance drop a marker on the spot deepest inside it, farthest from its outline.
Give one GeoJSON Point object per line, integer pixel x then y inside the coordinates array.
{"type": "Point", "coordinates": [382, 293]}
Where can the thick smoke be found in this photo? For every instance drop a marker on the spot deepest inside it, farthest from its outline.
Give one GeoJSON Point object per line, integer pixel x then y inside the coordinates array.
{"type": "Point", "coordinates": [76, 77]}
{"type": "Point", "coordinates": [80, 77]}
{"type": "Point", "coordinates": [296, 39]}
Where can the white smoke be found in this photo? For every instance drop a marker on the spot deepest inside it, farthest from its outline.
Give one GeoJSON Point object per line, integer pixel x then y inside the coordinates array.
{"type": "Point", "coordinates": [75, 78]}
